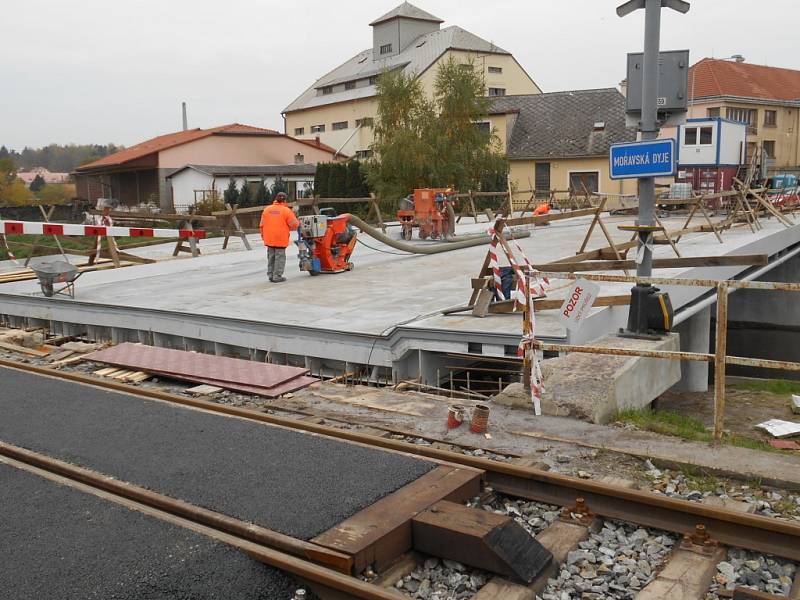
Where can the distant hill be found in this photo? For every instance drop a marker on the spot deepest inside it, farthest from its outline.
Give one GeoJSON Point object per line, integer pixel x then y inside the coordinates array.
{"type": "Point", "coordinates": [58, 158]}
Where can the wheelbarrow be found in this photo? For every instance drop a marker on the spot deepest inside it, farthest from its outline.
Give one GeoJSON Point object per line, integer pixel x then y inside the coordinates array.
{"type": "Point", "coordinates": [51, 274]}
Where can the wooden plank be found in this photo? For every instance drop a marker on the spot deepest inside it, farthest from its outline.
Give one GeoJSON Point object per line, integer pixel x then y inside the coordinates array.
{"type": "Point", "coordinates": [381, 532]}
{"type": "Point", "coordinates": [483, 302]}
{"type": "Point", "coordinates": [658, 263]}
{"type": "Point", "coordinates": [397, 570]}
{"type": "Point", "coordinates": [481, 539]}
{"type": "Point", "coordinates": [502, 589]}
{"type": "Point", "coordinates": [24, 350]}
{"type": "Point", "coordinates": [543, 219]}
{"type": "Point", "coordinates": [686, 576]}
{"type": "Point", "coordinates": [68, 361]}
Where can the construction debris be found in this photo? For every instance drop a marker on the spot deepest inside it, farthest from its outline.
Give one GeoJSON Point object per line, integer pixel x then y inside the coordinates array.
{"type": "Point", "coordinates": [779, 428]}
{"type": "Point", "coordinates": [262, 379]}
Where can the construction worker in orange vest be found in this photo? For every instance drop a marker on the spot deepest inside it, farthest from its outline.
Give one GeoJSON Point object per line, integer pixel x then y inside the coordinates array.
{"type": "Point", "coordinates": [277, 222]}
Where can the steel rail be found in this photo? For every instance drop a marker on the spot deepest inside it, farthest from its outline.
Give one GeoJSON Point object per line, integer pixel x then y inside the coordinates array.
{"type": "Point", "coordinates": [733, 528]}
{"type": "Point", "coordinates": [300, 567]}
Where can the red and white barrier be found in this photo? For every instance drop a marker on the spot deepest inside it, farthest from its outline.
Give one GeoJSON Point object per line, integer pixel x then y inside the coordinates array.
{"type": "Point", "coordinates": [36, 228]}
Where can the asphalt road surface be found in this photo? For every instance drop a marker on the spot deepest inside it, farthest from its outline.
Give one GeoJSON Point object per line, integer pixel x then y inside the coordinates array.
{"type": "Point", "coordinates": [295, 483]}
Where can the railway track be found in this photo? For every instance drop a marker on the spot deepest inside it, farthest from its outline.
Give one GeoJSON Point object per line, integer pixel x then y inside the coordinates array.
{"type": "Point", "coordinates": [705, 530]}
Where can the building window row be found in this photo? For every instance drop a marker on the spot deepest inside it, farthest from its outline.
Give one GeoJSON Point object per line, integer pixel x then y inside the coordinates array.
{"type": "Point", "coordinates": [497, 91]}
{"type": "Point", "coordinates": [496, 70]}
{"type": "Point", "coordinates": [327, 90]}
{"type": "Point", "coordinates": [337, 126]}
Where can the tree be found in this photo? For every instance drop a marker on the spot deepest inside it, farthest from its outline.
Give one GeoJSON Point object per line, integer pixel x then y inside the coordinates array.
{"type": "Point", "coordinates": [321, 177]}
{"type": "Point", "coordinates": [403, 135]}
{"type": "Point", "coordinates": [13, 191]}
{"type": "Point", "coordinates": [279, 186]}
{"type": "Point", "coordinates": [356, 183]}
{"type": "Point", "coordinates": [56, 193]}
{"type": "Point", "coordinates": [4, 152]}
{"type": "Point", "coordinates": [262, 194]}
{"type": "Point", "coordinates": [337, 180]}
{"type": "Point", "coordinates": [231, 195]}
{"type": "Point", "coordinates": [245, 195]}
{"type": "Point", "coordinates": [465, 152]}
{"type": "Point", "coordinates": [433, 142]}
{"type": "Point", "coordinates": [37, 184]}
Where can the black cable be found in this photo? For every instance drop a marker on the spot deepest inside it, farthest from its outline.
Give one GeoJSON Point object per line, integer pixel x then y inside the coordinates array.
{"type": "Point", "coordinates": [384, 251]}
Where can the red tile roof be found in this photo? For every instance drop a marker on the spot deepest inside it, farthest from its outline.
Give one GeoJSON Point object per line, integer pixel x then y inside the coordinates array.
{"type": "Point", "coordinates": [315, 143]}
{"type": "Point", "coordinates": [170, 140]}
{"type": "Point", "coordinates": [714, 77]}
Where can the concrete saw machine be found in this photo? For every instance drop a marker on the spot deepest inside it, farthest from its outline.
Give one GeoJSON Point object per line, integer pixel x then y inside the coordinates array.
{"type": "Point", "coordinates": [325, 243]}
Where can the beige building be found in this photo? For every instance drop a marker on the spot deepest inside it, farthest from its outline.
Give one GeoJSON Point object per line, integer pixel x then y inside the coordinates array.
{"type": "Point", "coordinates": [767, 99]}
{"type": "Point", "coordinates": [560, 140]}
{"type": "Point", "coordinates": [140, 173]}
{"type": "Point", "coordinates": [340, 107]}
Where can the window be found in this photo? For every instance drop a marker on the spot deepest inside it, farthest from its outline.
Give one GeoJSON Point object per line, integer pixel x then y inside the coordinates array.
{"type": "Point", "coordinates": [706, 136]}
{"type": "Point", "coordinates": [318, 129]}
{"type": "Point", "coordinates": [742, 115]}
{"type": "Point", "coordinates": [542, 177]}
{"type": "Point", "coordinates": [584, 181]}
{"type": "Point", "coordinates": [365, 122]}
{"type": "Point", "coordinates": [712, 112]}
{"type": "Point", "coordinates": [338, 126]}
{"type": "Point", "coordinates": [350, 85]}
{"type": "Point", "coordinates": [770, 118]}
{"type": "Point", "coordinates": [363, 154]}
{"type": "Point", "coordinates": [497, 91]}
{"type": "Point", "coordinates": [373, 80]}
{"type": "Point", "coordinates": [769, 148]}
{"type": "Point", "coordinates": [484, 127]}
{"type": "Point", "coordinates": [386, 49]}
{"type": "Point", "coordinates": [497, 70]}
{"type": "Point", "coordinates": [328, 89]}
{"type": "Point", "coordinates": [299, 130]}
{"type": "Point", "coordinates": [465, 66]}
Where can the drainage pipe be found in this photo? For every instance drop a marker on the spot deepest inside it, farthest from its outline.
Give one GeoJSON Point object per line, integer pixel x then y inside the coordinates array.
{"type": "Point", "coordinates": [416, 249]}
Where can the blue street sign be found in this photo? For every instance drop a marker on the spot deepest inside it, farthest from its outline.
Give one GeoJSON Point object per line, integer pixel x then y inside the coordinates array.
{"type": "Point", "coordinates": [651, 158]}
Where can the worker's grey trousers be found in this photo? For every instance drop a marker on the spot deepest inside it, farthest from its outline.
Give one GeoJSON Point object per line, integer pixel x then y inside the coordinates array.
{"type": "Point", "coordinates": [276, 261]}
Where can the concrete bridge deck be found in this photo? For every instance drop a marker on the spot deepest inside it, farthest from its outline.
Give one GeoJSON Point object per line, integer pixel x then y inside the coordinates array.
{"type": "Point", "coordinates": [386, 313]}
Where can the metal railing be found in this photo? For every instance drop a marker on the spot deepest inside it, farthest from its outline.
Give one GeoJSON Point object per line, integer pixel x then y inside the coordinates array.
{"type": "Point", "coordinates": [719, 357]}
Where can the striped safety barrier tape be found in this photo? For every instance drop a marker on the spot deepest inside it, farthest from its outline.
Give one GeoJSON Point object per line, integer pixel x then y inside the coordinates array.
{"type": "Point", "coordinates": [37, 228]}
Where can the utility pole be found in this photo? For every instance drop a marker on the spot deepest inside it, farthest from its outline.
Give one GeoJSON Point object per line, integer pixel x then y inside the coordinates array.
{"type": "Point", "coordinates": [649, 128]}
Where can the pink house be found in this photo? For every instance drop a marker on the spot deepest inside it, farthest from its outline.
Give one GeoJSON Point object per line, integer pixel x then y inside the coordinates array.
{"type": "Point", "coordinates": [48, 176]}
{"type": "Point", "coordinates": [140, 173]}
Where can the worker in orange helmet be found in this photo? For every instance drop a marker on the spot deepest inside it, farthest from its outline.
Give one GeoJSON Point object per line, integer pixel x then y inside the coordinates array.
{"type": "Point", "coordinates": [277, 222]}
{"type": "Point", "coordinates": [542, 209]}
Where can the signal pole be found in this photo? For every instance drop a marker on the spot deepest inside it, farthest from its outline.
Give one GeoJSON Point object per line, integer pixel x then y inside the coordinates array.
{"type": "Point", "coordinates": [649, 129]}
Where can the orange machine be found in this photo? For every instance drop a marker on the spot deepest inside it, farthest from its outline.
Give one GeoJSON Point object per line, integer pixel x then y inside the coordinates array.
{"type": "Point", "coordinates": [431, 210]}
{"type": "Point", "coordinates": [325, 243]}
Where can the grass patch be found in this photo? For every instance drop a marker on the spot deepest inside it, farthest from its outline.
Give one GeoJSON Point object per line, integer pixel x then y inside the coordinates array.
{"type": "Point", "coordinates": [671, 423]}
{"type": "Point", "coordinates": [781, 387]}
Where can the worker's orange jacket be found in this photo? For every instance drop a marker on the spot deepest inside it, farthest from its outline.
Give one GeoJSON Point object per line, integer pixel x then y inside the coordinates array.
{"type": "Point", "coordinates": [277, 221]}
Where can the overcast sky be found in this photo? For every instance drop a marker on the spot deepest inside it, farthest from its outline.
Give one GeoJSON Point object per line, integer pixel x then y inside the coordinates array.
{"type": "Point", "coordinates": [97, 71]}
